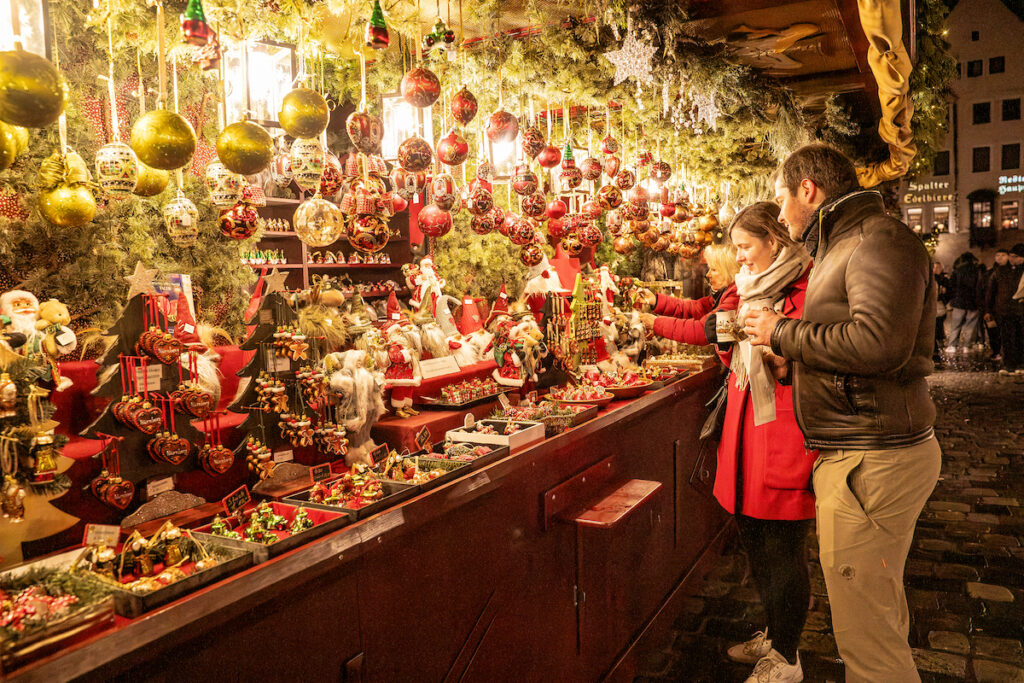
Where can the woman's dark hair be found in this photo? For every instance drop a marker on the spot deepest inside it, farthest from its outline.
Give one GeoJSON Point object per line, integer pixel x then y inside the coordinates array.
{"type": "Point", "coordinates": [761, 219]}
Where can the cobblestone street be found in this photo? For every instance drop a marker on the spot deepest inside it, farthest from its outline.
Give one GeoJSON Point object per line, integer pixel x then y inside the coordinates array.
{"type": "Point", "coordinates": [964, 576]}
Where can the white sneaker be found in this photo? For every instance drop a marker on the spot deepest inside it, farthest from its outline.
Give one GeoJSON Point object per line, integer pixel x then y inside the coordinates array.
{"type": "Point", "coordinates": [752, 650]}
{"type": "Point", "coordinates": [773, 668]}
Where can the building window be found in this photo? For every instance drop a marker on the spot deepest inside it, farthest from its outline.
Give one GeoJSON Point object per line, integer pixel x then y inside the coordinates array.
{"type": "Point", "coordinates": [981, 160]}
{"type": "Point", "coordinates": [941, 166]}
{"type": "Point", "coordinates": [1011, 156]}
{"type": "Point", "coordinates": [974, 68]}
{"type": "Point", "coordinates": [982, 112]}
{"type": "Point", "coordinates": [974, 36]}
{"type": "Point", "coordinates": [1009, 214]}
{"type": "Point", "coordinates": [940, 219]}
{"type": "Point", "coordinates": [1011, 109]}
{"type": "Point", "coordinates": [914, 219]}
{"type": "Point", "coordinates": [981, 213]}
{"type": "Point", "coordinates": [997, 65]}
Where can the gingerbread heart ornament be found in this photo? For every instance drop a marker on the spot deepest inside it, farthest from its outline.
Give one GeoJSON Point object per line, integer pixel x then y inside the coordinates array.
{"type": "Point", "coordinates": [216, 459]}
{"type": "Point", "coordinates": [199, 403]}
{"type": "Point", "coordinates": [175, 449]}
{"type": "Point", "coordinates": [147, 420]}
{"type": "Point", "coordinates": [99, 483]}
{"type": "Point", "coordinates": [168, 349]}
{"type": "Point", "coordinates": [119, 493]}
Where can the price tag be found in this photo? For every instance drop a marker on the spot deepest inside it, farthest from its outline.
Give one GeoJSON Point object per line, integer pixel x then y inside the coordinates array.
{"type": "Point", "coordinates": [532, 397]}
{"type": "Point", "coordinates": [379, 454]}
{"type": "Point", "coordinates": [379, 525]}
{"type": "Point", "coordinates": [158, 485]}
{"type": "Point", "coordinates": [275, 363]}
{"type": "Point", "coordinates": [236, 500]}
{"type": "Point", "coordinates": [438, 367]}
{"type": "Point", "coordinates": [266, 317]}
{"type": "Point", "coordinates": [188, 328]}
{"type": "Point", "coordinates": [503, 400]}
{"type": "Point", "coordinates": [469, 421]}
{"type": "Point", "coordinates": [149, 380]}
{"type": "Point", "coordinates": [319, 472]}
{"type": "Point", "coordinates": [101, 534]}
{"type": "Point", "coordinates": [65, 337]}
{"type": "Point", "coordinates": [283, 456]}
{"type": "Point", "coordinates": [423, 438]}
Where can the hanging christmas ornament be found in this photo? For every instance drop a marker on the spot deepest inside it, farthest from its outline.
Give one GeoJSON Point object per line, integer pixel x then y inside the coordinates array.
{"type": "Point", "coordinates": [304, 113]}
{"type": "Point", "coordinates": [609, 145]}
{"type": "Point", "coordinates": [117, 169]}
{"type": "Point", "coordinates": [368, 233]}
{"type": "Point", "coordinates": [408, 183]}
{"type": "Point", "coordinates": [281, 169]}
{"type": "Point", "coordinates": [239, 222]}
{"type": "Point", "coordinates": [609, 196]}
{"type": "Point", "coordinates": [591, 168]}
{"type": "Point", "coordinates": [660, 172]}
{"type": "Point", "coordinates": [365, 131]}
{"type": "Point", "coordinates": [570, 175]}
{"type": "Point", "coordinates": [502, 127]}
{"type": "Point", "coordinates": [634, 211]}
{"type": "Point", "coordinates": [32, 92]}
{"type": "Point", "coordinates": [549, 157]}
{"type": "Point", "coordinates": [151, 181]}
{"type": "Point", "coordinates": [524, 181]}
{"type": "Point", "coordinates": [726, 214]}
{"type": "Point", "coordinates": [415, 154]}
{"type": "Point", "coordinates": [434, 221]}
{"type": "Point", "coordinates": [444, 191]}
{"type": "Point", "coordinates": [531, 255]}
{"type": "Point", "coordinates": [65, 198]}
{"type": "Point", "coordinates": [224, 185]}
{"type": "Point", "coordinates": [589, 235]}
{"type": "Point", "coordinates": [611, 166]}
{"type": "Point", "coordinates": [182, 220]}
{"type": "Point", "coordinates": [534, 205]}
{"type": "Point", "coordinates": [638, 194]}
{"type": "Point", "coordinates": [245, 147]}
{"type": "Point", "coordinates": [479, 202]}
{"type": "Point", "coordinates": [193, 24]}
{"type": "Point", "coordinates": [532, 142]}
{"type": "Point", "coordinates": [307, 161]}
{"type": "Point", "coordinates": [376, 30]}
{"type": "Point", "coordinates": [482, 225]}
{"type": "Point", "coordinates": [398, 203]}
{"type": "Point", "coordinates": [318, 222]}
{"type": "Point", "coordinates": [558, 228]}
{"type": "Point", "coordinates": [633, 59]}
{"type": "Point", "coordinates": [667, 210]}
{"type": "Point", "coordinates": [497, 215]}
{"type": "Point", "coordinates": [420, 87]}
{"type": "Point", "coordinates": [571, 245]}
{"type": "Point", "coordinates": [625, 179]}
{"type": "Point", "coordinates": [452, 149]}
{"type": "Point", "coordinates": [11, 143]}
{"type": "Point", "coordinates": [592, 209]}
{"type": "Point", "coordinates": [521, 231]}
{"type": "Point", "coordinates": [163, 139]}
{"type": "Point", "coordinates": [331, 178]}
{"type": "Point", "coordinates": [624, 245]}
{"type": "Point", "coordinates": [484, 171]}
{"type": "Point", "coordinates": [464, 106]}
{"type": "Point", "coordinates": [556, 208]}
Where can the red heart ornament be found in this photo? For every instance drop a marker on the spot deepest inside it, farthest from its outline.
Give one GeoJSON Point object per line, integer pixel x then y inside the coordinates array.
{"type": "Point", "coordinates": [216, 459]}
{"type": "Point", "coordinates": [99, 483]}
{"type": "Point", "coordinates": [119, 493]}
{"type": "Point", "coordinates": [148, 420]}
{"type": "Point", "coordinates": [176, 449]}
{"type": "Point", "coordinates": [611, 166]}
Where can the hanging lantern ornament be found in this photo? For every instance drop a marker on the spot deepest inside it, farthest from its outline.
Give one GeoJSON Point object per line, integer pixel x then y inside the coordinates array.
{"type": "Point", "coordinates": [151, 181]}
{"type": "Point", "coordinates": [117, 169]}
{"type": "Point", "coordinates": [532, 142]}
{"type": "Point", "coordinates": [307, 162]}
{"type": "Point", "coordinates": [365, 131]}
{"type": "Point", "coordinates": [304, 113]}
{"type": "Point", "coordinates": [245, 147]}
{"type": "Point", "coordinates": [376, 29]}
{"type": "Point", "coordinates": [570, 175]}
{"type": "Point", "coordinates": [464, 106]}
{"type": "Point", "coordinates": [32, 91]}
{"type": "Point", "coordinates": [502, 127]}
{"type": "Point", "coordinates": [434, 221]}
{"type": "Point", "coordinates": [452, 149]}
{"type": "Point", "coordinates": [193, 24]}
{"type": "Point", "coordinates": [420, 87]}
{"type": "Point", "coordinates": [318, 222]}
{"type": "Point", "coordinates": [225, 186]}
{"type": "Point", "coordinates": [524, 181]}
{"type": "Point", "coordinates": [240, 221]}
{"type": "Point", "coordinates": [163, 139]}
{"type": "Point", "coordinates": [415, 154]}
{"type": "Point", "coordinates": [591, 168]}
{"type": "Point", "coordinates": [182, 220]}
{"type": "Point", "coordinates": [444, 191]}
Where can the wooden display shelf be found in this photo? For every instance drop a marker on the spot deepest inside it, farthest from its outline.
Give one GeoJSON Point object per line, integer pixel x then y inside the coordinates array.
{"type": "Point", "coordinates": [377, 266]}
{"type": "Point", "coordinates": [279, 266]}
{"type": "Point", "coordinates": [283, 201]}
{"type": "Point", "coordinates": [278, 233]}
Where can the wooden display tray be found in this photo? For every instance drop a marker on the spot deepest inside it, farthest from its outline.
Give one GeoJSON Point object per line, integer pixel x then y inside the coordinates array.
{"type": "Point", "coordinates": [394, 493]}
{"type": "Point", "coordinates": [453, 469]}
{"type": "Point", "coordinates": [524, 437]}
{"type": "Point", "coordinates": [497, 453]}
{"type": "Point", "coordinates": [630, 391]}
{"type": "Point", "coordinates": [435, 403]}
{"type": "Point", "coordinates": [57, 634]}
{"type": "Point", "coordinates": [600, 402]}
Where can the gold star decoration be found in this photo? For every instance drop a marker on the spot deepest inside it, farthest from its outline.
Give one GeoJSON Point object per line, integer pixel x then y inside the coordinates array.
{"type": "Point", "coordinates": [141, 281]}
{"type": "Point", "coordinates": [274, 282]}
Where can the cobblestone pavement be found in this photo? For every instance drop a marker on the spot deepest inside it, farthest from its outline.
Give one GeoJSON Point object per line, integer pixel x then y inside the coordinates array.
{"type": "Point", "coordinates": [964, 575]}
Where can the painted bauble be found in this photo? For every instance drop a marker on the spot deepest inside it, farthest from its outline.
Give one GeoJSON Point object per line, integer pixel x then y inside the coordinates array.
{"type": "Point", "coordinates": [634, 211]}
{"type": "Point", "coordinates": [660, 244]}
{"type": "Point", "coordinates": [609, 145]}
{"type": "Point", "coordinates": [281, 169]}
{"type": "Point", "coordinates": [556, 208]}
{"type": "Point", "coordinates": [434, 221]}
{"type": "Point", "coordinates": [318, 222]}
{"type": "Point", "coordinates": [611, 166]}
{"type": "Point", "coordinates": [591, 168]}
{"type": "Point", "coordinates": [549, 157]}
{"type": "Point", "coordinates": [151, 181]}
{"type": "Point", "coordinates": [245, 147]}
{"type": "Point", "coordinates": [624, 245]}
{"type": "Point", "coordinates": [464, 106]}
{"type": "Point", "coordinates": [224, 185]}
{"type": "Point", "coordinates": [368, 233]}
{"type": "Point", "coordinates": [639, 227]}
{"type": "Point", "coordinates": [531, 255]}
{"type": "Point", "coordinates": [726, 214]}
{"type": "Point", "coordinates": [304, 113]}
{"type": "Point", "coordinates": [521, 232]}
{"type": "Point", "coordinates": [660, 172]}
{"type": "Point", "coordinates": [117, 169]}
{"type": "Point", "coordinates": [22, 137]}
{"type": "Point", "coordinates": [415, 154]}
{"type": "Point", "coordinates": [8, 144]}
{"type": "Point", "coordinates": [163, 139]}
{"type": "Point", "coordinates": [398, 202]}
{"type": "Point", "coordinates": [182, 220]}
{"type": "Point", "coordinates": [68, 205]}
{"type": "Point", "coordinates": [534, 205]}
{"type": "Point", "coordinates": [609, 196]}
{"type": "Point", "coordinates": [571, 176]}
{"type": "Point", "coordinates": [482, 225]}
{"type": "Point", "coordinates": [531, 140]}
{"type": "Point", "coordinates": [667, 210]}
{"type": "Point", "coordinates": [239, 222]}
{"type": "Point", "coordinates": [497, 215]}
{"type": "Point", "coordinates": [331, 178]}
{"type": "Point", "coordinates": [479, 201]}
{"type": "Point", "coordinates": [557, 228]}
{"type": "Point", "coordinates": [452, 149]}
{"type": "Point", "coordinates": [639, 194]}
{"type": "Point", "coordinates": [590, 235]}
{"type": "Point", "coordinates": [444, 192]}
{"type": "Point", "coordinates": [592, 208]}
{"type": "Point", "coordinates": [571, 245]}
{"type": "Point", "coordinates": [484, 170]}
{"type": "Point", "coordinates": [32, 91]}
{"type": "Point", "coordinates": [408, 183]}
{"type": "Point", "coordinates": [308, 160]}
{"type": "Point", "coordinates": [708, 222]}
{"type": "Point", "coordinates": [420, 87]}
{"type": "Point", "coordinates": [254, 195]}
{"type": "Point", "coordinates": [365, 131]}
{"type": "Point", "coordinates": [613, 221]}
{"type": "Point", "coordinates": [625, 179]}
{"type": "Point", "coordinates": [524, 181]}
{"type": "Point", "coordinates": [502, 127]}
{"type": "Point", "coordinates": [681, 215]}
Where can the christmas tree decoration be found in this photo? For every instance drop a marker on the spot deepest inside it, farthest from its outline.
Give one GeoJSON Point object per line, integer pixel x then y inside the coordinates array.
{"type": "Point", "coordinates": [533, 205]}
{"type": "Point", "coordinates": [368, 233]}
{"type": "Point", "coordinates": [225, 186]}
{"type": "Point", "coordinates": [609, 145]}
{"type": "Point", "coordinates": [557, 228]}
{"type": "Point", "coordinates": [32, 92]}
{"type": "Point", "coordinates": [10, 144]}
{"type": "Point", "coordinates": [182, 220]}
{"type": "Point", "coordinates": [549, 157]}
{"type": "Point", "coordinates": [624, 245]}
{"type": "Point", "coordinates": [408, 183]}
{"type": "Point", "coordinates": [592, 209]}
{"type": "Point", "coordinates": [331, 177]}
{"type": "Point", "coordinates": [245, 147]}
{"type": "Point", "coordinates": [194, 27]}
{"type": "Point", "coordinates": [532, 142]}
{"type": "Point", "coordinates": [524, 181]}
{"type": "Point", "coordinates": [521, 231]}
{"type": "Point", "coordinates": [570, 175]}
{"type": "Point", "coordinates": [464, 106]}
{"type": "Point", "coordinates": [376, 35]}
{"type": "Point", "coordinates": [609, 196]}
{"type": "Point", "coordinates": [571, 245]}
{"type": "Point", "coordinates": [611, 166]}
{"type": "Point", "coordinates": [502, 127]}
{"type": "Point", "coordinates": [151, 181]}
{"type": "Point", "coordinates": [365, 131]}
{"type": "Point", "coordinates": [163, 139]}
{"type": "Point", "coordinates": [483, 224]}
{"type": "Point", "coordinates": [239, 222]}
{"type": "Point", "coordinates": [281, 169]}
{"type": "Point", "coordinates": [434, 221]}
{"type": "Point", "coordinates": [479, 202]}
{"type": "Point", "coordinates": [318, 222]}
{"type": "Point", "coordinates": [484, 170]}
{"type": "Point", "coordinates": [531, 255]}
{"type": "Point", "coordinates": [452, 149]}
{"type": "Point", "coordinates": [667, 210]}
{"type": "Point", "coordinates": [632, 60]}
{"type": "Point", "coordinates": [415, 154]}
{"type": "Point", "coordinates": [706, 107]}
{"type": "Point", "coordinates": [591, 168]}
{"type": "Point", "coordinates": [556, 208]}
{"type": "Point", "coordinates": [444, 191]}
{"type": "Point", "coordinates": [660, 172]}
{"type": "Point", "coordinates": [65, 197]}
{"type": "Point", "coordinates": [117, 169]}
{"type": "Point", "coordinates": [304, 113]}
{"type": "Point", "coordinates": [420, 87]}
{"type": "Point", "coordinates": [638, 194]}
{"type": "Point", "coordinates": [589, 235]}
{"type": "Point", "coordinates": [307, 163]}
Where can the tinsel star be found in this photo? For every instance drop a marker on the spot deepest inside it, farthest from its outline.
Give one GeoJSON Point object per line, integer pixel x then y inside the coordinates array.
{"type": "Point", "coordinates": [707, 109]}
{"type": "Point", "coordinates": [632, 59]}
{"type": "Point", "coordinates": [141, 281]}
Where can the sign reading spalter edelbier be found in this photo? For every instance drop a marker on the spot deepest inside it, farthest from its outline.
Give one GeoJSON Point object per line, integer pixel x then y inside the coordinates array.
{"type": "Point", "coordinates": [929, 192]}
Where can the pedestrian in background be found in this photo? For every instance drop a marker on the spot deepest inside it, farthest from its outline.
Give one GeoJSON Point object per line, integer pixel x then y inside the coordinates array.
{"type": "Point", "coordinates": [1003, 311]}
{"type": "Point", "coordinates": [942, 284]}
{"type": "Point", "coordinates": [964, 286]}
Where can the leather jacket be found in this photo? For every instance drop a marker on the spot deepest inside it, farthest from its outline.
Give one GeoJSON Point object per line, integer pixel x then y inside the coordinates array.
{"type": "Point", "coordinates": [863, 347]}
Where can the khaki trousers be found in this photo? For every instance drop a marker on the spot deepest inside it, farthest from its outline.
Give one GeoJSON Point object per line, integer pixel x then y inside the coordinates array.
{"type": "Point", "coordinates": [867, 506]}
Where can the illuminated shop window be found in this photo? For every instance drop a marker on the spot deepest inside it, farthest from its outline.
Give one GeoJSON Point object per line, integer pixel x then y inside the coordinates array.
{"type": "Point", "coordinates": [1009, 214]}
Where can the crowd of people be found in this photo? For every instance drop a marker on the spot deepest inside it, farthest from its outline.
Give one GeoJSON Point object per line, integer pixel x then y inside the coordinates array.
{"type": "Point", "coordinates": [824, 313]}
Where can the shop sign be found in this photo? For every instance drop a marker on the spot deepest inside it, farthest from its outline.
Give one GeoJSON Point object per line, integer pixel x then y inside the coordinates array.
{"type": "Point", "coordinates": [1011, 183]}
{"type": "Point", "coordinates": [927, 193]}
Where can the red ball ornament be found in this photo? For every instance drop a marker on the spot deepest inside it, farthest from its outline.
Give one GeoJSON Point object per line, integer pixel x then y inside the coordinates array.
{"type": "Point", "coordinates": [592, 208]}
{"type": "Point", "coordinates": [534, 205]}
{"type": "Point", "coordinates": [625, 179]}
{"type": "Point", "coordinates": [507, 223]}
{"type": "Point", "coordinates": [444, 191]}
{"type": "Point", "coordinates": [239, 222]}
{"type": "Point", "coordinates": [609, 145]}
{"type": "Point", "coordinates": [571, 245]}
{"type": "Point", "coordinates": [484, 171]}
{"type": "Point", "coordinates": [482, 225]}
{"type": "Point", "coordinates": [531, 255]}
{"type": "Point", "coordinates": [434, 221]}
{"type": "Point", "coordinates": [589, 235]}
{"type": "Point", "coordinates": [420, 87]}
{"type": "Point", "coordinates": [330, 180]}
{"type": "Point", "coordinates": [398, 203]}
{"type": "Point", "coordinates": [639, 194]}
{"type": "Point", "coordinates": [571, 176]}
{"type": "Point", "coordinates": [624, 245]}
{"type": "Point", "coordinates": [407, 183]}
{"type": "Point", "coordinates": [610, 197]}
{"type": "Point", "coordinates": [591, 168]}
{"type": "Point", "coordinates": [415, 154]}
{"type": "Point", "coordinates": [532, 142]}
{"type": "Point", "coordinates": [479, 202]}
{"type": "Point", "coordinates": [549, 157]}
{"type": "Point", "coordinates": [661, 171]}
{"type": "Point", "coordinates": [497, 214]}
{"type": "Point", "coordinates": [634, 211]}
{"type": "Point", "coordinates": [521, 232]}
{"type": "Point", "coordinates": [613, 221]}
{"type": "Point", "coordinates": [502, 126]}
{"type": "Point", "coordinates": [524, 181]}
{"type": "Point", "coordinates": [667, 210]}
{"type": "Point", "coordinates": [611, 166]}
{"type": "Point", "coordinates": [556, 208]}
{"type": "Point", "coordinates": [368, 233]}
{"type": "Point", "coordinates": [365, 131]}
{"type": "Point", "coordinates": [557, 228]}
{"type": "Point", "coordinates": [464, 106]}
{"type": "Point", "coordinates": [452, 149]}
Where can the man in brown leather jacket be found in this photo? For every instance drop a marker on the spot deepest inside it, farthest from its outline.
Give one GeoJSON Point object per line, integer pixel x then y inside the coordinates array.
{"type": "Point", "coordinates": [859, 357]}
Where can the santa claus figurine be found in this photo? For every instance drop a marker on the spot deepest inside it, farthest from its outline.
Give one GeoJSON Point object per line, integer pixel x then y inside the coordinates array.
{"type": "Point", "coordinates": [508, 354]}
{"type": "Point", "coordinates": [541, 280]}
{"type": "Point", "coordinates": [403, 371]}
{"type": "Point", "coordinates": [38, 332]}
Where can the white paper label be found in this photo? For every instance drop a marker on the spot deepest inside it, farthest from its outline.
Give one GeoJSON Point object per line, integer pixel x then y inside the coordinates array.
{"type": "Point", "coordinates": [469, 421]}
{"type": "Point", "coordinates": [276, 363]}
{"type": "Point", "coordinates": [65, 337]}
{"type": "Point", "coordinates": [154, 487]}
{"type": "Point", "coordinates": [283, 456]}
{"type": "Point", "coordinates": [102, 534]}
{"type": "Point", "coordinates": [379, 525]}
{"type": "Point", "coordinates": [266, 317]}
{"type": "Point", "coordinates": [188, 328]}
{"type": "Point", "coordinates": [150, 379]}
{"type": "Point", "coordinates": [437, 367]}
{"type": "Point", "coordinates": [503, 400]}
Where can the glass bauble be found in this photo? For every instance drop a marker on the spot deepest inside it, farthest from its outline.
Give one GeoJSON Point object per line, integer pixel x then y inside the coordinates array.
{"type": "Point", "coordinates": [32, 91]}
{"type": "Point", "coordinates": [483, 224]}
{"type": "Point", "coordinates": [245, 147]}
{"type": "Point", "coordinates": [611, 166]}
{"type": "Point", "coordinates": [661, 171]}
{"type": "Point", "coordinates": [571, 176]}
{"type": "Point", "coordinates": [304, 113]}
{"type": "Point", "coordinates": [521, 231]}
{"type": "Point", "coordinates": [68, 205]}
{"type": "Point", "coordinates": [549, 157]}
{"type": "Point", "coordinates": [452, 149]}
{"type": "Point", "coordinates": [225, 186]}
{"type": "Point", "coordinates": [368, 234]}
{"type": "Point", "coordinates": [635, 211]}
{"type": "Point", "coordinates": [532, 142]}
{"type": "Point", "coordinates": [420, 87]}
{"type": "Point", "coordinates": [281, 169]}
{"type": "Point", "coordinates": [592, 208]}
{"type": "Point", "coordinates": [624, 245]}
{"type": "Point", "coordinates": [533, 205]}
{"type": "Point", "coordinates": [182, 220]}
{"type": "Point", "coordinates": [308, 160]}
{"type": "Point", "coordinates": [524, 181]}
{"type": "Point", "coordinates": [479, 202]}
{"type": "Point", "coordinates": [330, 179]}
{"type": "Point", "coordinates": [239, 222]}
{"type": "Point", "coordinates": [415, 154]}
{"type": "Point", "coordinates": [318, 222]}
{"type": "Point", "coordinates": [609, 196]}
{"type": "Point", "coordinates": [464, 106]}
{"type": "Point", "coordinates": [408, 183]}
{"type": "Point", "coordinates": [557, 228]}
{"type": "Point", "coordinates": [531, 255]}
{"type": "Point", "coordinates": [589, 234]}
{"type": "Point", "coordinates": [365, 131]}
{"type": "Point", "coordinates": [117, 169]}
{"type": "Point", "coordinates": [591, 168]}
{"type": "Point", "coordinates": [571, 245]}
{"type": "Point", "coordinates": [639, 194]}
{"type": "Point", "coordinates": [556, 208]}
{"type": "Point", "coordinates": [151, 181]}
{"type": "Point", "coordinates": [502, 126]}
{"type": "Point", "coordinates": [163, 139]}
{"type": "Point", "coordinates": [434, 221]}
{"type": "Point", "coordinates": [625, 179]}
{"type": "Point", "coordinates": [444, 192]}
{"type": "Point", "coordinates": [609, 145]}
{"type": "Point", "coordinates": [484, 170]}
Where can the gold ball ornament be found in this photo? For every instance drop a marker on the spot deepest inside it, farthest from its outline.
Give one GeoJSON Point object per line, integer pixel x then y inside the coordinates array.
{"type": "Point", "coordinates": [163, 139]}
{"type": "Point", "coordinates": [117, 169]}
{"type": "Point", "coordinates": [307, 159]}
{"type": "Point", "coordinates": [151, 181]}
{"type": "Point", "coordinates": [68, 205]}
{"type": "Point", "coordinates": [22, 136]}
{"type": "Point", "coordinates": [304, 113]}
{"type": "Point", "coordinates": [182, 220]}
{"type": "Point", "coordinates": [318, 222]}
{"type": "Point", "coordinates": [32, 92]}
{"type": "Point", "coordinates": [8, 145]}
{"type": "Point", "coordinates": [368, 233]}
{"type": "Point", "coordinates": [245, 147]}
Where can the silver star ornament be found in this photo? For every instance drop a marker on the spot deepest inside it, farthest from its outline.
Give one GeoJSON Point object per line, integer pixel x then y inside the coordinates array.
{"type": "Point", "coordinates": [633, 59]}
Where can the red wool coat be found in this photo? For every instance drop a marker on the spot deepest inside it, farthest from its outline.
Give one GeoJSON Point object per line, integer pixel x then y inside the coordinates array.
{"type": "Point", "coordinates": [682, 320]}
{"type": "Point", "coordinates": [774, 468]}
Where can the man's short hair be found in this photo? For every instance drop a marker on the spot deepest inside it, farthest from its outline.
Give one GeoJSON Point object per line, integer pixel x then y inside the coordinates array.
{"type": "Point", "coordinates": [825, 166]}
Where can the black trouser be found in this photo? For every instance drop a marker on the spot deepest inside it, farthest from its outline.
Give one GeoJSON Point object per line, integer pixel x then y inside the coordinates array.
{"type": "Point", "coordinates": [940, 332]}
{"type": "Point", "coordinates": [777, 550]}
{"type": "Point", "coordinates": [1010, 331]}
{"type": "Point", "coordinates": [995, 336]}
